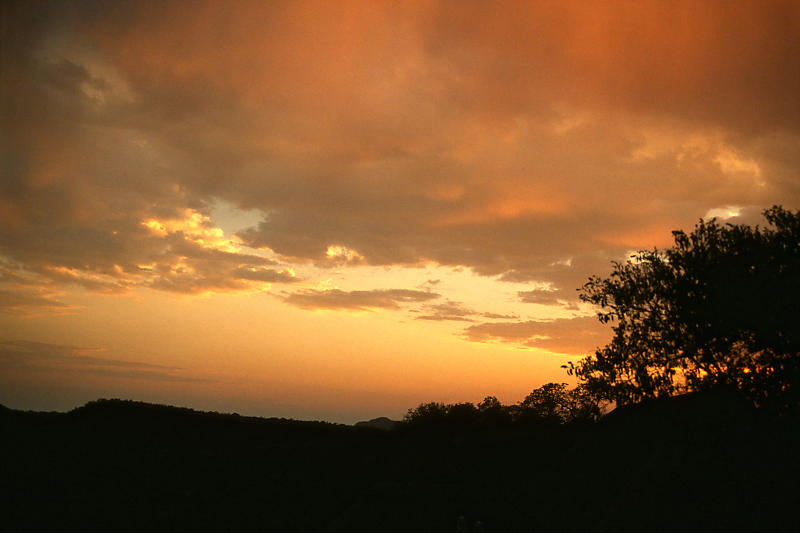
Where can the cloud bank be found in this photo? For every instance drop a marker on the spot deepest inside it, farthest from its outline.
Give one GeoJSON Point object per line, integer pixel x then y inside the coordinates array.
{"type": "Point", "coordinates": [532, 142]}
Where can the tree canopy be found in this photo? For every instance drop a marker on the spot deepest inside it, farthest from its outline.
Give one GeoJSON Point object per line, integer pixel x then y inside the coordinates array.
{"type": "Point", "coordinates": [721, 307]}
{"type": "Point", "coordinates": [551, 404]}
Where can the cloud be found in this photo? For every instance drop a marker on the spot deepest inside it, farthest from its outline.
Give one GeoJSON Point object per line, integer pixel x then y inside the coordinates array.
{"type": "Point", "coordinates": [266, 274]}
{"type": "Point", "coordinates": [505, 140]}
{"type": "Point", "coordinates": [498, 316]}
{"type": "Point", "coordinates": [539, 296]}
{"type": "Point", "coordinates": [456, 311]}
{"type": "Point", "coordinates": [30, 301]}
{"type": "Point", "coordinates": [336, 299]}
{"type": "Point", "coordinates": [575, 336]}
{"type": "Point", "coordinates": [448, 311]}
{"type": "Point", "coordinates": [29, 356]}
{"type": "Point", "coordinates": [546, 297]}
{"type": "Point", "coordinates": [22, 296]}
{"type": "Point", "coordinates": [183, 253]}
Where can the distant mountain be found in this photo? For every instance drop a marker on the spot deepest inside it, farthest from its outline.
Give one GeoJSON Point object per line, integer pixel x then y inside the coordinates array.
{"type": "Point", "coordinates": [382, 422]}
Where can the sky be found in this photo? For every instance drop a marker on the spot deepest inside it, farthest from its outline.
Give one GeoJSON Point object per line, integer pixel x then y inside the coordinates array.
{"type": "Point", "coordinates": [340, 210]}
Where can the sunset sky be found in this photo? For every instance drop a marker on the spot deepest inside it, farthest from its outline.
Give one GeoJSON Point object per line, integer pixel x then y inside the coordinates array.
{"type": "Point", "coordinates": [339, 210]}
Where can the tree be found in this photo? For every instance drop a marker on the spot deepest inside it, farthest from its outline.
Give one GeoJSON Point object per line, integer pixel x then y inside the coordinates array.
{"type": "Point", "coordinates": [551, 404]}
{"type": "Point", "coordinates": [442, 416]}
{"type": "Point", "coordinates": [554, 403]}
{"type": "Point", "coordinates": [492, 412]}
{"type": "Point", "coordinates": [431, 413]}
{"type": "Point", "coordinates": [548, 403]}
{"type": "Point", "coordinates": [720, 307]}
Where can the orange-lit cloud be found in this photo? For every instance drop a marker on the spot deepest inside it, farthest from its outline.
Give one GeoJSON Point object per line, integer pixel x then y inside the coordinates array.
{"type": "Point", "coordinates": [449, 310]}
{"type": "Point", "coordinates": [376, 133]}
{"type": "Point", "coordinates": [333, 299]}
{"type": "Point", "coordinates": [30, 301]}
{"type": "Point", "coordinates": [576, 336]}
{"type": "Point", "coordinates": [545, 297]}
{"type": "Point", "coordinates": [38, 357]}
{"type": "Point", "coordinates": [455, 311]}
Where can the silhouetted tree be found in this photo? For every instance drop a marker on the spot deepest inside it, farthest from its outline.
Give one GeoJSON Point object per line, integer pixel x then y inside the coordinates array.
{"type": "Point", "coordinates": [583, 406]}
{"type": "Point", "coordinates": [462, 413]}
{"type": "Point", "coordinates": [493, 412]}
{"type": "Point", "coordinates": [426, 413]}
{"type": "Point", "coordinates": [490, 403]}
{"type": "Point", "coordinates": [554, 403]}
{"type": "Point", "coordinates": [720, 307]}
{"type": "Point", "coordinates": [548, 403]}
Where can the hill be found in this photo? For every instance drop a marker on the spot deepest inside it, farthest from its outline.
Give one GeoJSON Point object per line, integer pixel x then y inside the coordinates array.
{"type": "Point", "coordinates": [697, 463]}
{"type": "Point", "coordinates": [382, 422]}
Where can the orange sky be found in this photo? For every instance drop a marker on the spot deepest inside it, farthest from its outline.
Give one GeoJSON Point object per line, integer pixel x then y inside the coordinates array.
{"type": "Point", "coordinates": [339, 210]}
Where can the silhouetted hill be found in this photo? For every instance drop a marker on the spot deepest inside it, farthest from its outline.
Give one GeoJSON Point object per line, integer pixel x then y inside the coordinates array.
{"type": "Point", "coordinates": [382, 423]}
{"type": "Point", "coordinates": [694, 463]}
{"type": "Point", "coordinates": [129, 411]}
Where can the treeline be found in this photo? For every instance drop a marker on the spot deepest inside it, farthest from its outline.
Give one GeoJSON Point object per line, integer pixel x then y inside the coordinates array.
{"type": "Point", "coordinates": [552, 404]}
{"type": "Point", "coordinates": [536, 465]}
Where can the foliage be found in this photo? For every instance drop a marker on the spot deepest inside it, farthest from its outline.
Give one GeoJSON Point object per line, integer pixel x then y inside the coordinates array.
{"type": "Point", "coordinates": [554, 403]}
{"type": "Point", "coordinates": [440, 415]}
{"type": "Point", "coordinates": [719, 308]}
{"type": "Point", "coordinates": [493, 413]}
{"type": "Point", "coordinates": [550, 404]}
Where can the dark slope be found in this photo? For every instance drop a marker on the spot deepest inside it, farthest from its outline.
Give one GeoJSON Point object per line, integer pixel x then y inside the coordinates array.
{"type": "Point", "coordinates": [382, 422]}
{"type": "Point", "coordinates": [693, 464]}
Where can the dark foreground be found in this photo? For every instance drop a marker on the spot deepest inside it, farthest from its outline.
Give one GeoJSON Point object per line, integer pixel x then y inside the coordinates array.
{"type": "Point", "coordinates": [690, 464]}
